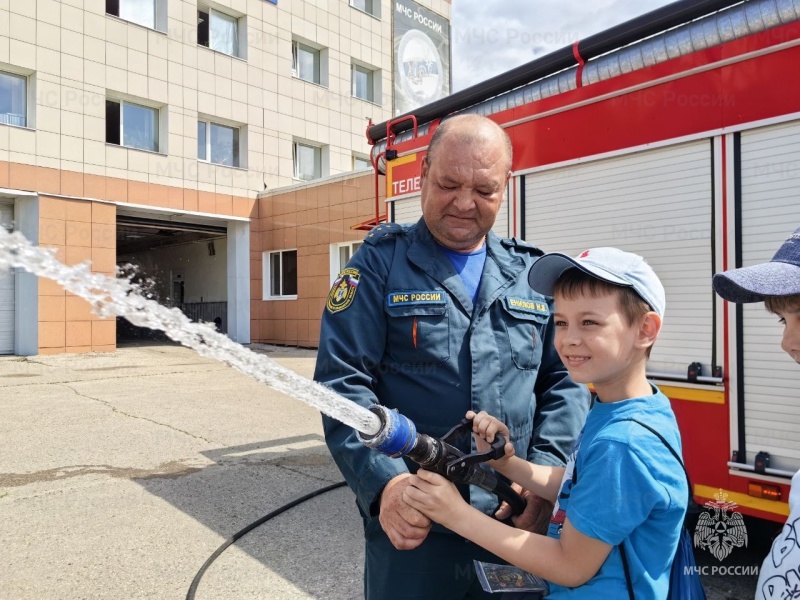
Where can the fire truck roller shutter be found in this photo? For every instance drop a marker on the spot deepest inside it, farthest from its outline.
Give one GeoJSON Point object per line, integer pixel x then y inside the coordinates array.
{"type": "Point", "coordinates": [770, 173]}
{"type": "Point", "coordinates": [7, 303]}
{"type": "Point", "coordinates": [656, 203]}
{"type": "Point", "coordinates": [407, 210]}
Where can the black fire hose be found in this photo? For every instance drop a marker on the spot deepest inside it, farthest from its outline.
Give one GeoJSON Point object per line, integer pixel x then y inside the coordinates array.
{"type": "Point", "coordinates": [398, 437]}
{"type": "Point", "coordinates": [239, 534]}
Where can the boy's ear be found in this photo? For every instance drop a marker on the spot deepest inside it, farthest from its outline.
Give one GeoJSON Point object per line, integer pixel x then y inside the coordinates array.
{"type": "Point", "coordinates": [648, 330]}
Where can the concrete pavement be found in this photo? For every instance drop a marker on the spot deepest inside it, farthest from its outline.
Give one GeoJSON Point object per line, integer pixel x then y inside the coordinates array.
{"type": "Point", "coordinates": [121, 473]}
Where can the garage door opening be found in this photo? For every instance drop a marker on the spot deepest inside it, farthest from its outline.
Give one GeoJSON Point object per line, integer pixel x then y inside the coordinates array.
{"type": "Point", "coordinates": [178, 264]}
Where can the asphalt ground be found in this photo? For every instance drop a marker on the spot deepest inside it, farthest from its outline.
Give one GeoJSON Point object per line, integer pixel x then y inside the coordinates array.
{"type": "Point", "coordinates": [121, 473]}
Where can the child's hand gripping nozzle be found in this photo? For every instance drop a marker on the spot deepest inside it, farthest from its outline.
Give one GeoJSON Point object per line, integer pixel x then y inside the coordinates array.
{"type": "Point", "coordinates": [398, 437]}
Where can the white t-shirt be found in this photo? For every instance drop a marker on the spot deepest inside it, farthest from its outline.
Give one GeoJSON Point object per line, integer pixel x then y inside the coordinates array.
{"type": "Point", "coordinates": [780, 572]}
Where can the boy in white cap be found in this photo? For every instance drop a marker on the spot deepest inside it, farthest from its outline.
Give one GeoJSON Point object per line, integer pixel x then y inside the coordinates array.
{"type": "Point", "coordinates": [621, 500]}
{"type": "Point", "coordinates": [777, 284]}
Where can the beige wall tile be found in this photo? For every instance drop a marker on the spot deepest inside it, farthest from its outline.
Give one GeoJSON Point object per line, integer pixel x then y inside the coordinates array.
{"type": "Point", "coordinates": [104, 213]}
{"type": "Point", "coordinates": [78, 233]}
{"type": "Point", "coordinates": [22, 140]}
{"type": "Point", "coordinates": [72, 42]}
{"type": "Point", "coordinates": [77, 309]}
{"type": "Point", "coordinates": [137, 38]}
{"type": "Point", "coordinates": [71, 66]}
{"type": "Point", "coordinates": [52, 309]}
{"type": "Point", "coordinates": [52, 232]}
{"type": "Point", "coordinates": [48, 287]}
{"type": "Point", "coordinates": [77, 210]}
{"type": "Point", "coordinates": [51, 336]}
{"type": "Point", "coordinates": [78, 333]}
{"type": "Point", "coordinates": [104, 333]}
{"type": "Point", "coordinates": [75, 255]}
{"type": "Point", "coordinates": [104, 260]}
{"type": "Point", "coordinates": [22, 28]}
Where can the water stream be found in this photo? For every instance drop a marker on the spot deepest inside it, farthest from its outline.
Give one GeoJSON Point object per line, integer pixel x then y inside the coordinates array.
{"type": "Point", "coordinates": [119, 297]}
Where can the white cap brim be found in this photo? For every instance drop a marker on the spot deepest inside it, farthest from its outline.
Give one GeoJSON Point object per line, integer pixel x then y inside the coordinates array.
{"type": "Point", "coordinates": [545, 272]}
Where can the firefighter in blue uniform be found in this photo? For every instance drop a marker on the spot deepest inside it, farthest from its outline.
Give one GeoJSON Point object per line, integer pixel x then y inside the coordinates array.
{"type": "Point", "coordinates": [435, 319]}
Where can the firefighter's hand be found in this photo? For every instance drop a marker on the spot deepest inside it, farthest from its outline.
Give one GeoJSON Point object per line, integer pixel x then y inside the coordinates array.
{"type": "Point", "coordinates": [536, 515]}
{"type": "Point", "coordinates": [406, 527]}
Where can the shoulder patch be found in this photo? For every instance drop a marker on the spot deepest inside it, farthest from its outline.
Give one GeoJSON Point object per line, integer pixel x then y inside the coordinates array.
{"type": "Point", "coordinates": [343, 291]}
{"type": "Point", "coordinates": [381, 231]}
{"type": "Point", "coordinates": [521, 245]}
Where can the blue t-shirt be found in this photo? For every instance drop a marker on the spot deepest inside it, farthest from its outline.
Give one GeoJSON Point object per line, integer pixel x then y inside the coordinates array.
{"type": "Point", "coordinates": [469, 266]}
{"type": "Point", "coordinates": [629, 487]}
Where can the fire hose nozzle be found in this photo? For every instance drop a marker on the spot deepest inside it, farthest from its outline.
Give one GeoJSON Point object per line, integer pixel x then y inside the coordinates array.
{"type": "Point", "coordinates": [398, 437]}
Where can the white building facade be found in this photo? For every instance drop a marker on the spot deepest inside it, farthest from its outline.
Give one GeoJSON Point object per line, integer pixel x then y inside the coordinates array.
{"type": "Point", "coordinates": [173, 111]}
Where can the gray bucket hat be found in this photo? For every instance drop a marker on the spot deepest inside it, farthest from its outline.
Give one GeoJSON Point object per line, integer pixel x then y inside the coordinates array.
{"type": "Point", "coordinates": [778, 277]}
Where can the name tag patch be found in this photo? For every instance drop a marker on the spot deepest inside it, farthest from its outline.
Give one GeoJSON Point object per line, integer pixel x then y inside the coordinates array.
{"type": "Point", "coordinates": [416, 298]}
{"type": "Point", "coordinates": [526, 305]}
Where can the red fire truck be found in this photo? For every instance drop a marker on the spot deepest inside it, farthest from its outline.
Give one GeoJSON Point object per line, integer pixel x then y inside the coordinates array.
{"type": "Point", "coordinates": [676, 136]}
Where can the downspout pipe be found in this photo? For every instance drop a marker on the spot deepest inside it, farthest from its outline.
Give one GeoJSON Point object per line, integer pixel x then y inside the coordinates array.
{"type": "Point", "coordinates": [656, 21]}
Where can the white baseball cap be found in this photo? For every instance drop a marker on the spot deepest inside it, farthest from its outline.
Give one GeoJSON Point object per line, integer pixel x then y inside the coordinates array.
{"type": "Point", "coordinates": [607, 264]}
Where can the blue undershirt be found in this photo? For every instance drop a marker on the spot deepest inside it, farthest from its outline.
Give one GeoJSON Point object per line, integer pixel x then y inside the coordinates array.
{"type": "Point", "coordinates": [469, 266]}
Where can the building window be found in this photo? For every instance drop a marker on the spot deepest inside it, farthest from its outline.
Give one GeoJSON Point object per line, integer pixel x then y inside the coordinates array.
{"type": "Point", "coordinates": [371, 7]}
{"type": "Point", "coordinates": [306, 62]}
{"type": "Point", "coordinates": [141, 12]}
{"type": "Point", "coordinates": [307, 161]}
{"type": "Point", "coordinates": [361, 162]}
{"type": "Point", "coordinates": [363, 85]}
{"type": "Point", "coordinates": [132, 125]}
{"type": "Point", "coordinates": [280, 274]}
{"type": "Point", "coordinates": [217, 143]}
{"type": "Point", "coordinates": [13, 99]}
{"type": "Point", "coordinates": [365, 82]}
{"type": "Point", "coordinates": [218, 31]}
{"type": "Point", "coordinates": [341, 255]}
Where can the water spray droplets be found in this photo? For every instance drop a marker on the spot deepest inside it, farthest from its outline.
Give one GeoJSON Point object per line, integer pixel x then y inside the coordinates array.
{"type": "Point", "coordinates": [121, 297]}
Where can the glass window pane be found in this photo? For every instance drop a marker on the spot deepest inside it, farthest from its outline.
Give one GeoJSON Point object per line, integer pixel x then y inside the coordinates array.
{"type": "Point", "coordinates": [289, 273]}
{"type": "Point", "coordinates": [139, 127]}
{"type": "Point", "coordinates": [308, 162]}
{"type": "Point", "coordinates": [13, 99]}
{"type": "Point", "coordinates": [365, 5]}
{"type": "Point", "coordinates": [344, 256]}
{"type": "Point", "coordinates": [362, 83]}
{"type": "Point", "coordinates": [361, 163]}
{"type": "Point", "coordinates": [142, 12]}
{"type": "Point", "coordinates": [202, 28]}
{"type": "Point", "coordinates": [275, 274]}
{"type": "Point", "coordinates": [201, 140]}
{"type": "Point", "coordinates": [307, 63]}
{"type": "Point", "coordinates": [224, 145]}
{"type": "Point", "coordinates": [224, 33]}
{"type": "Point", "coordinates": [112, 122]}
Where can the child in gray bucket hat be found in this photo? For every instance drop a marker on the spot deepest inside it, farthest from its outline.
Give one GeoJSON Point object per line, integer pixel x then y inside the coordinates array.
{"type": "Point", "coordinates": [777, 284]}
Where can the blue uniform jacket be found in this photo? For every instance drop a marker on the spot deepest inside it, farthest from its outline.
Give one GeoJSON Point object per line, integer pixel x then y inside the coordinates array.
{"type": "Point", "coordinates": [407, 336]}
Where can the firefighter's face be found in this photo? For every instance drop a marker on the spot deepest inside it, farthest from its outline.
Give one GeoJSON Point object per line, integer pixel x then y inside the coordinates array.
{"type": "Point", "coordinates": [463, 188]}
{"type": "Point", "coordinates": [790, 317]}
